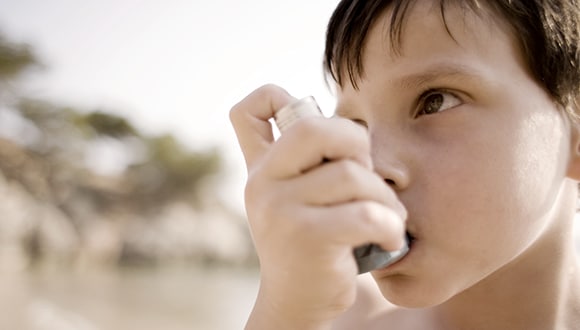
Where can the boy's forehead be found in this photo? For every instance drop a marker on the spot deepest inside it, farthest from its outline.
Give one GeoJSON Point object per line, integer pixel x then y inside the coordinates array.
{"type": "Point", "coordinates": [452, 25]}
{"type": "Point", "coordinates": [412, 32]}
{"type": "Point", "coordinates": [427, 34]}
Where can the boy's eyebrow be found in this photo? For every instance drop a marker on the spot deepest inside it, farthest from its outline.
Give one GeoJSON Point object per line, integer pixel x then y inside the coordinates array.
{"type": "Point", "coordinates": [443, 70]}
{"type": "Point", "coordinates": [437, 71]}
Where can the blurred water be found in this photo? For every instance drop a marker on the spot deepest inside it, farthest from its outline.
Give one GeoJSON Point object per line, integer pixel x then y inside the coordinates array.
{"type": "Point", "coordinates": [168, 298]}
{"type": "Point", "coordinates": [171, 298]}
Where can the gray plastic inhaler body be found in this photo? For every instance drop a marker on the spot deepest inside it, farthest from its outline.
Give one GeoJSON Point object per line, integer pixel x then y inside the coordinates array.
{"type": "Point", "coordinates": [368, 257]}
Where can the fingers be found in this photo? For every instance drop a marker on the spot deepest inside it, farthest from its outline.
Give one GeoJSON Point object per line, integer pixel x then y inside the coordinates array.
{"type": "Point", "coordinates": [363, 209]}
{"type": "Point", "coordinates": [357, 223]}
{"type": "Point", "coordinates": [303, 146]}
{"type": "Point", "coordinates": [320, 171]}
{"type": "Point", "coordinates": [343, 181]}
{"type": "Point", "coordinates": [310, 141]}
{"type": "Point", "coordinates": [250, 120]}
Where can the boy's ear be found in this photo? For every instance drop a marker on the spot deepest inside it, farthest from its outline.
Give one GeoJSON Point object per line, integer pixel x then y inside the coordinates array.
{"type": "Point", "coordinates": [574, 162]}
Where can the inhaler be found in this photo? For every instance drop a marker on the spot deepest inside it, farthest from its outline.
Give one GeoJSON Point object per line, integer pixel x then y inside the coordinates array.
{"type": "Point", "coordinates": [368, 257]}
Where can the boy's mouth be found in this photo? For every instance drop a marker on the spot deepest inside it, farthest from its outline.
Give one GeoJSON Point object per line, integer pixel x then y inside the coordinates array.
{"type": "Point", "coordinates": [410, 238]}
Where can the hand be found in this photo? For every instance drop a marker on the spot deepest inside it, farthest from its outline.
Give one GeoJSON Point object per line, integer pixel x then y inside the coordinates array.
{"type": "Point", "coordinates": [306, 215]}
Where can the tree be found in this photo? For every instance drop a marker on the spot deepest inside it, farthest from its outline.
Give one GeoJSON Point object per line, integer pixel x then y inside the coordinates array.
{"type": "Point", "coordinates": [167, 171]}
{"type": "Point", "coordinates": [15, 58]}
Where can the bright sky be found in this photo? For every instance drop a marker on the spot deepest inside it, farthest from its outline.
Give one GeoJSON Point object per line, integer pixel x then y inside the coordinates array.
{"type": "Point", "coordinates": [176, 65]}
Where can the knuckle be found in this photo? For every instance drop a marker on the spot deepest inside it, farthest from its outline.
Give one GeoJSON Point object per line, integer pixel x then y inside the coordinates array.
{"type": "Point", "coordinates": [270, 92]}
{"type": "Point", "coordinates": [266, 203]}
{"type": "Point", "coordinates": [350, 140]}
{"type": "Point", "coordinates": [348, 172]}
{"type": "Point", "coordinates": [238, 111]}
{"type": "Point", "coordinates": [368, 214]}
{"type": "Point", "coordinates": [357, 133]}
{"type": "Point", "coordinates": [362, 143]}
{"type": "Point", "coordinates": [402, 212]}
{"type": "Point", "coordinates": [263, 92]}
{"type": "Point", "coordinates": [267, 89]}
{"type": "Point", "coordinates": [307, 127]}
{"type": "Point", "coordinates": [235, 113]}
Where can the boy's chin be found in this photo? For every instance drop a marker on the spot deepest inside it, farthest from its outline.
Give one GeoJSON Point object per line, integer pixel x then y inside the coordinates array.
{"type": "Point", "coordinates": [413, 297]}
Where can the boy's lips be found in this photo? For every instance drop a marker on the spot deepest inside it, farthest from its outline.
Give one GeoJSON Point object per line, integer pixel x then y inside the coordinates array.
{"type": "Point", "coordinates": [410, 238]}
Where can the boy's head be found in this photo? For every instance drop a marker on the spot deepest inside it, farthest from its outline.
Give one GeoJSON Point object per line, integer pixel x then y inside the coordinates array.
{"type": "Point", "coordinates": [548, 32]}
{"type": "Point", "coordinates": [461, 103]}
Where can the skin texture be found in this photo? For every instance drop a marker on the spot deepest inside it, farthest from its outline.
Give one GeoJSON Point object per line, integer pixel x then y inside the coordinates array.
{"type": "Point", "coordinates": [451, 137]}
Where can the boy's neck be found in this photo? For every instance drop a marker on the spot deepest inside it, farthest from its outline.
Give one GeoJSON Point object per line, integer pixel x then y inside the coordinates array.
{"type": "Point", "coordinates": [538, 290]}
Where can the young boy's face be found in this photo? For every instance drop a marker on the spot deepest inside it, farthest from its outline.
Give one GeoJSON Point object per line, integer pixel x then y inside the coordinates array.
{"type": "Point", "coordinates": [477, 150]}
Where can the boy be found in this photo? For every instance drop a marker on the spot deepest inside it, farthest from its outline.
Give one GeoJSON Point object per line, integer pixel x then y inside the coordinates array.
{"type": "Point", "coordinates": [455, 123]}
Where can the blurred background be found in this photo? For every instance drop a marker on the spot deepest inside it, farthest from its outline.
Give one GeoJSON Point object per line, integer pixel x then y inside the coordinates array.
{"type": "Point", "coordinates": [121, 180]}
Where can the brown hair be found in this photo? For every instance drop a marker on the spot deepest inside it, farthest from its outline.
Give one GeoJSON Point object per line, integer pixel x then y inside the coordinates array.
{"type": "Point", "coordinates": [548, 31]}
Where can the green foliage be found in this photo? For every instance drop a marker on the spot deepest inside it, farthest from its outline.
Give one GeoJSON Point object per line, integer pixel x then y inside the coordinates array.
{"type": "Point", "coordinates": [168, 171]}
{"type": "Point", "coordinates": [44, 114]}
{"type": "Point", "coordinates": [58, 134]}
{"type": "Point", "coordinates": [48, 116]}
{"type": "Point", "coordinates": [15, 58]}
{"type": "Point", "coordinates": [47, 156]}
{"type": "Point", "coordinates": [184, 168]}
{"type": "Point", "coordinates": [106, 124]}
{"type": "Point", "coordinates": [171, 171]}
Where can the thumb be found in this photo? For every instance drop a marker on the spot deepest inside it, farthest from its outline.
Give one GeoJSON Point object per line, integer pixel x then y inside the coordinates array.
{"type": "Point", "coordinates": [250, 118]}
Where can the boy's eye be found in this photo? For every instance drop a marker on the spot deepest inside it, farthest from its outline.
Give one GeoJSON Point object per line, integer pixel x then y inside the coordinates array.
{"type": "Point", "coordinates": [436, 101]}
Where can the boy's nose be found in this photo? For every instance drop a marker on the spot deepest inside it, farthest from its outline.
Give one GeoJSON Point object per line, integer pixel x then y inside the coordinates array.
{"type": "Point", "coordinates": [389, 155]}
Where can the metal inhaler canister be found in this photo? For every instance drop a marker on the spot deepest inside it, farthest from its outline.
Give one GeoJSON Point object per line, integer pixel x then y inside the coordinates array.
{"type": "Point", "coordinates": [368, 257]}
